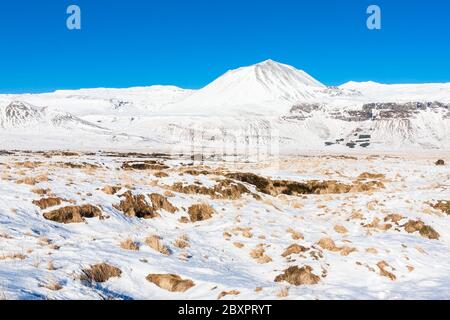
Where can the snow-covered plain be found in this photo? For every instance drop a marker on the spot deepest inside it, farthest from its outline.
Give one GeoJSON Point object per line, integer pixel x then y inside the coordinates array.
{"type": "Point", "coordinates": [42, 259]}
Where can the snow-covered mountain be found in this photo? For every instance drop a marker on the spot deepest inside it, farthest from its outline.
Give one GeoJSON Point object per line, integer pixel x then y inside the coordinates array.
{"type": "Point", "coordinates": [20, 115]}
{"type": "Point", "coordinates": [266, 88]}
{"type": "Point", "coordinates": [268, 105]}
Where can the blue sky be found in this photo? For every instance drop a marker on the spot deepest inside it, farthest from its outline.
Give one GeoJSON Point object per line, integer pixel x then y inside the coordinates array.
{"type": "Point", "coordinates": [190, 42]}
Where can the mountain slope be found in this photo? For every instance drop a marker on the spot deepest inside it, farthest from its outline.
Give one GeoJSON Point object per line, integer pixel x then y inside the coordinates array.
{"type": "Point", "coordinates": [264, 84]}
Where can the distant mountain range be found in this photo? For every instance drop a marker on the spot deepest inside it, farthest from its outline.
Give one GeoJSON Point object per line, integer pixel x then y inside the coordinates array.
{"type": "Point", "coordinates": [266, 106]}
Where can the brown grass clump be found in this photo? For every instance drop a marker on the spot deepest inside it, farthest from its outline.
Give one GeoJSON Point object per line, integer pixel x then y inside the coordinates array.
{"type": "Point", "coordinates": [54, 286]}
{"type": "Point", "coordinates": [74, 214]}
{"type": "Point", "coordinates": [294, 188]}
{"type": "Point", "coordinates": [111, 190]}
{"type": "Point", "coordinates": [136, 206]}
{"type": "Point", "coordinates": [32, 180]}
{"type": "Point", "coordinates": [294, 249]}
{"type": "Point", "coordinates": [367, 175]}
{"type": "Point", "coordinates": [13, 256]}
{"type": "Point", "coordinates": [101, 272]}
{"type": "Point", "coordinates": [376, 224]}
{"type": "Point", "coordinates": [340, 229]}
{"type": "Point", "coordinates": [224, 189]}
{"type": "Point", "coordinates": [259, 255]}
{"type": "Point", "coordinates": [45, 203]}
{"type": "Point", "coordinates": [382, 265]}
{"type": "Point", "coordinates": [154, 242]}
{"type": "Point", "coordinates": [443, 206]}
{"type": "Point", "coordinates": [144, 165]}
{"type": "Point", "coordinates": [160, 174]}
{"type": "Point", "coordinates": [238, 245]}
{"type": "Point", "coordinates": [182, 242]}
{"type": "Point", "coordinates": [170, 282]}
{"type": "Point", "coordinates": [425, 231]}
{"type": "Point", "coordinates": [129, 245]}
{"type": "Point", "coordinates": [298, 276]}
{"type": "Point", "coordinates": [394, 218]}
{"type": "Point", "coordinates": [283, 293]}
{"type": "Point", "coordinates": [161, 202]}
{"type": "Point", "coordinates": [345, 251]}
{"type": "Point", "coordinates": [295, 234]}
{"type": "Point", "coordinates": [228, 293]}
{"type": "Point", "coordinates": [200, 212]}
{"type": "Point", "coordinates": [328, 244]}
{"type": "Point", "coordinates": [41, 192]}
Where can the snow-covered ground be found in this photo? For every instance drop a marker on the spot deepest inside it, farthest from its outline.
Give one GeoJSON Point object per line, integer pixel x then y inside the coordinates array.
{"type": "Point", "coordinates": [265, 174]}
{"type": "Point", "coordinates": [239, 248]}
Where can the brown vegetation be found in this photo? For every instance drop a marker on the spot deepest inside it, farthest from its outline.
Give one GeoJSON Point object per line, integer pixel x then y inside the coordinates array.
{"type": "Point", "coordinates": [298, 276]}
{"type": "Point", "coordinates": [73, 214]}
{"type": "Point", "coordinates": [382, 265]}
{"type": "Point", "coordinates": [111, 190]}
{"type": "Point", "coordinates": [228, 293]}
{"type": "Point", "coordinates": [224, 189]}
{"type": "Point", "coordinates": [155, 243]}
{"type": "Point", "coordinates": [161, 202]}
{"type": "Point", "coordinates": [170, 282]}
{"type": "Point", "coordinates": [443, 206]}
{"type": "Point", "coordinates": [136, 206]}
{"type": "Point", "coordinates": [144, 165]}
{"type": "Point", "coordinates": [200, 212]}
{"type": "Point", "coordinates": [294, 249]}
{"type": "Point", "coordinates": [101, 272]}
{"type": "Point", "coordinates": [129, 245]}
{"type": "Point", "coordinates": [278, 187]}
{"type": "Point", "coordinates": [45, 203]}
{"type": "Point", "coordinates": [425, 231]}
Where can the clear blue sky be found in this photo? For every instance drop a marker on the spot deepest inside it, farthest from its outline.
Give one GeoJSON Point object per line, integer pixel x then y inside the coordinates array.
{"type": "Point", "coordinates": [190, 42]}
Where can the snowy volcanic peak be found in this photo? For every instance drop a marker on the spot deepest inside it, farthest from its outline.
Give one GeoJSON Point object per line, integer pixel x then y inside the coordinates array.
{"type": "Point", "coordinates": [270, 72]}
{"type": "Point", "coordinates": [263, 82]}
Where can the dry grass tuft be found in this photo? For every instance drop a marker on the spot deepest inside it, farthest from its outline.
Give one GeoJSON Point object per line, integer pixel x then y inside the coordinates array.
{"type": "Point", "coordinates": [101, 272]}
{"type": "Point", "coordinates": [228, 293]}
{"type": "Point", "coordinates": [298, 276]}
{"type": "Point", "coordinates": [170, 282]}
{"type": "Point", "coordinates": [45, 203]}
{"type": "Point", "coordinates": [129, 244]}
{"type": "Point", "coordinates": [154, 242]}
{"type": "Point", "coordinates": [200, 212]}
{"type": "Point", "coordinates": [74, 214]}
